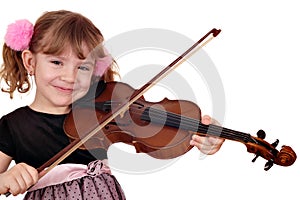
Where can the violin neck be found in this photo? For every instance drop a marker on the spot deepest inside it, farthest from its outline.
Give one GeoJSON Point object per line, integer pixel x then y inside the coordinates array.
{"type": "Point", "coordinates": [218, 131]}
{"type": "Point", "coordinates": [193, 125]}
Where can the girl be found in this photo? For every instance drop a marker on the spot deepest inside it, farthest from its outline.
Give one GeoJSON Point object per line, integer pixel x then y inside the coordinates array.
{"type": "Point", "coordinates": [64, 54]}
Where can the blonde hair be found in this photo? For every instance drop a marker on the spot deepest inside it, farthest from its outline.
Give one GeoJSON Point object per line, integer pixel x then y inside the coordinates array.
{"type": "Point", "coordinates": [53, 31]}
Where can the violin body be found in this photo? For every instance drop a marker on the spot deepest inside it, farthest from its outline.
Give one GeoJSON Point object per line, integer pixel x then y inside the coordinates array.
{"type": "Point", "coordinates": [135, 126]}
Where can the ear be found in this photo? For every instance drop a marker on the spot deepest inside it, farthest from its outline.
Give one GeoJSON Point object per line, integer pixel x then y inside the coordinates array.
{"type": "Point", "coordinates": [28, 61]}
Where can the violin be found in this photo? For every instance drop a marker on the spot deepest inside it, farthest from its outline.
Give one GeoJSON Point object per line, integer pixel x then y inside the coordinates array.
{"type": "Point", "coordinates": [115, 112]}
{"type": "Point", "coordinates": [162, 129]}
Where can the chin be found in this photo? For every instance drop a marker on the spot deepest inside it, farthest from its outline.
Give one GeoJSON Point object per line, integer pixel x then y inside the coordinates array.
{"type": "Point", "coordinates": [63, 102]}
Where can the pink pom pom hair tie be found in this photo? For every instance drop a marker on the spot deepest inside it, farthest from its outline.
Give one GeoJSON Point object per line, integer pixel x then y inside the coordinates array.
{"type": "Point", "coordinates": [102, 64]}
{"type": "Point", "coordinates": [18, 35]}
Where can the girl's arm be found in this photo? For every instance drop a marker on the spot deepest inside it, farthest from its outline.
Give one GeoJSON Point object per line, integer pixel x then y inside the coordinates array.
{"type": "Point", "coordinates": [5, 161]}
{"type": "Point", "coordinates": [17, 179]}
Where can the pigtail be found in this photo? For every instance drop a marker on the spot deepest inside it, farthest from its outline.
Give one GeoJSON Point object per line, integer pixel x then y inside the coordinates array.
{"type": "Point", "coordinates": [17, 39]}
{"type": "Point", "coordinates": [13, 72]}
{"type": "Point", "coordinates": [112, 73]}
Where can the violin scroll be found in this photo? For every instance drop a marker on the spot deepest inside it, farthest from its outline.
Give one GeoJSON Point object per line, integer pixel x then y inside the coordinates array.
{"type": "Point", "coordinates": [285, 157]}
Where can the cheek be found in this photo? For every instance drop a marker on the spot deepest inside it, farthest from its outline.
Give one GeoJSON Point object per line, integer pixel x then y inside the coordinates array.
{"type": "Point", "coordinates": [86, 86]}
{"type": "Point", "coordinates": [83, 88]}
{"type": "Point", "coordinates": [43, 75]}
{"type": "Point", "coordinates": [84, 82]}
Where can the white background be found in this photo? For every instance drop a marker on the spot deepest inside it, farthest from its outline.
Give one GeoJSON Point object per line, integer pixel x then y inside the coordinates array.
{"type": "Point", "coordinates": [256, 55]}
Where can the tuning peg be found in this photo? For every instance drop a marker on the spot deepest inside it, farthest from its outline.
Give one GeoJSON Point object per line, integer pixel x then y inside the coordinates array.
{"type": "Point", "coordinates": [268, 165]}
{"type": "Point", "coordinates": [261, 134]}
{"type": "Point", "coordinates": [254, 159]}
{"type": "Point", "coordinates": [274, 144]}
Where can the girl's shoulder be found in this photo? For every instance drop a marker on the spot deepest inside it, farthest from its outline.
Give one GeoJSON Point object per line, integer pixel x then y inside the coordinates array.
{"type": "Point", "coordinates": [17, 112]}
{"type": "Point", "coordinates": [26, 114]}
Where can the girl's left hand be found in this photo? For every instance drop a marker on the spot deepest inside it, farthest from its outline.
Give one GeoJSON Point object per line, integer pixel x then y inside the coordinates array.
{"type": "Point", "coordinates": [207, 144]}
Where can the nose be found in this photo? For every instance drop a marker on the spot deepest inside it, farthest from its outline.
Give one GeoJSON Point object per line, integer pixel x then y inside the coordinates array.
{"type": "Point", "coordinates": [68, 74]}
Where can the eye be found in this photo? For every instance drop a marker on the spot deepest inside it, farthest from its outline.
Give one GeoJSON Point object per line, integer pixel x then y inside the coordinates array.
{"type": "Point", "coordinates": [84, 68]}
{"type": "Point", "coordinates": [56, 62]}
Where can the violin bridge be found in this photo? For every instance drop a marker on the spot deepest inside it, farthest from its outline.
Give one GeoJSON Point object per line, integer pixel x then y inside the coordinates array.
{"type": "Point", "coordinates": [122, 114]}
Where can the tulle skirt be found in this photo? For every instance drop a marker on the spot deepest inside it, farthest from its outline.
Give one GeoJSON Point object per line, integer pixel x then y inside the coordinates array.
{"type": "Point", "coordinates": [72, 181]}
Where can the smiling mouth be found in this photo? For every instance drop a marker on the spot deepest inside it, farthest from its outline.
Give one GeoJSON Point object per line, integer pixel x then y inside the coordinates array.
{"type": "Point", "coordinates": [65, 90]}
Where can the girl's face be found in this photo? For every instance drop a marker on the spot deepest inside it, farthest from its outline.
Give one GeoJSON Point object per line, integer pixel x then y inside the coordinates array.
{"type": "Point", "coordinates": [61, 80]}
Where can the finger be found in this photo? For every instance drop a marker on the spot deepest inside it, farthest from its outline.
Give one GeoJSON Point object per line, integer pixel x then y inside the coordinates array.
{"type": "Point", "coordinates": [198, 141]}
{"type": "Point", "coordinates": [21, 175]}
{"type": "Point", "coordinates": [215, 140]}
{"type": "Point", "coordinates": [208, 140]}
{"type": "Point", "coordinates": [34, 174]}
{"type": "Point", "coordinates": [207, 145]}
{"type": "Point", "coordinates": [15, 180]}
{"type": "Point", "coordinates": [196, 138]}
{"type": "Point", "coordinates": [206, 120]}
{"type": "Point", "coordinates": [15, 186]}
{"type": "Point", "coordinates": [30, 176]}
{"type": "Point", "coordinates": [206, 149]}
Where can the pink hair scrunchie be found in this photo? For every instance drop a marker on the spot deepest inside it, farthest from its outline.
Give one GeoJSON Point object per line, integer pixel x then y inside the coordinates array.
{"type": "Point", "coordinates": [102, 64]}
{"type": "Point", "coordinates": [18, 35]}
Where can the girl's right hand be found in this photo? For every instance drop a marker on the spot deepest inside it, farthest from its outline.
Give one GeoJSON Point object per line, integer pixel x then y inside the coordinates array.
{"type": "Point", "coordinates": [18, 179]}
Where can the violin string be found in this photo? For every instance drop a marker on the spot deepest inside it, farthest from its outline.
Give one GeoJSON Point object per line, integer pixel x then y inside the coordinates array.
{"type": "Point", "coordinates": [179, 121]}
{"type": "Point", "coordinates": [213, 129]}
{"type": "Point", "coordinates": [183, 122]}
{"type": "Point", "coordinates": [189, 123]}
